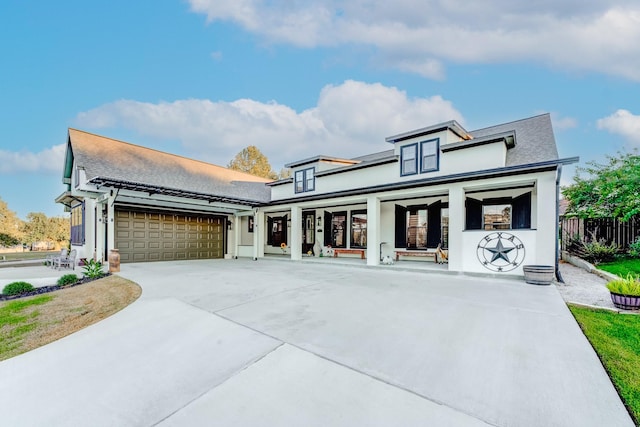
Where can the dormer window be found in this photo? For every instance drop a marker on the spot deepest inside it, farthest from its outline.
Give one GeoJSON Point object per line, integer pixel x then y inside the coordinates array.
{"type": "Point", "coordinates": [305, 180]}
{"type": "Point", "coordinates": [429, 152]}
{"type": "Point", "coordinates": [420, 157]}
{"type": "Point", "coordinates": [409, 159]}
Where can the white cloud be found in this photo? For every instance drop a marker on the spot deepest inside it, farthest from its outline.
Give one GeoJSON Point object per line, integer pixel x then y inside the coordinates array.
{"type": "Point", "coordinates": [562, 123]}
{"type": "Point", "coordinates": [623, 123]}
{"type": "Point", "coordinates": [49, 160]}
{"type": "Point", "coordinates": [418, 36]}
{"type": "Point", "coordinates": [350, 119]}
{"type": "Point", "coordinates": [216, 56]}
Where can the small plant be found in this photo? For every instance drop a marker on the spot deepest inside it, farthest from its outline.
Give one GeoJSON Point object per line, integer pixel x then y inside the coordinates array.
{"type": "Point", "coordinates": [634, 248]}
{"type": "Point", "coordinates": [67, 279]}
{"type": "Point", "coordinates": [626, 286]}
{"type": "Point", "coordinates": [597, 251]}
{"type": "Point", "coordinates": [93, 269]}
{"type": "Point", "coordinates": [17, 288]}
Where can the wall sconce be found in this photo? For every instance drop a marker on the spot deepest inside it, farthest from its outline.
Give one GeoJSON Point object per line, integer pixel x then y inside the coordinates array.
{"type": "Point", "coordinates": [229, 225]}
{"type": "Point", "coordinates": [289, 222]}
{"type": "Point", "coordinates": [319, 221]}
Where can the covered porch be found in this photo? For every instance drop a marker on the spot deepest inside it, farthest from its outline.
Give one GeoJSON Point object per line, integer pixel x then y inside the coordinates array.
{"type": "Point", "coordinates": [464, 221]}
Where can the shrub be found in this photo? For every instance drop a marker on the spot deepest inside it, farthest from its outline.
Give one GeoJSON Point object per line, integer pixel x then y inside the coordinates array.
{"type": "Point", "coordinates": [17, 288]}
{"type": "Point", "coordinates": [67, 279]}
{"type": "Point", "coordinates": [598, 251]}
{"type": "Point", "coordinates": [634, 248]}
{"type": "Point", "coordinates": [626, 286]}
{"type": "Point", "coordinates": [93, 269]}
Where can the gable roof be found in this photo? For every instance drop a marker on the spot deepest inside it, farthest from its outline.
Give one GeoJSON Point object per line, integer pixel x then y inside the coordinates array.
{"type": "Point", "coordinates": [109, 160]}
{"type": "Point", "coordinates": [535, 141]}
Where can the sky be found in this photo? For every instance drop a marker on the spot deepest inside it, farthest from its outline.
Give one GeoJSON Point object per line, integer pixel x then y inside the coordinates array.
{"type": "Point", "coordinates": [206, 78]}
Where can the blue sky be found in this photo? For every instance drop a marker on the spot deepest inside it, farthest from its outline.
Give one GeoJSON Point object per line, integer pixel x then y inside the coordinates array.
{"type": "Point", "coordinates": [206, 78]}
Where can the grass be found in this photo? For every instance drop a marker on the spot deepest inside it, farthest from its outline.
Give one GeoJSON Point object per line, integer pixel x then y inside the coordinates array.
{"type": "Point", "coordinates": [616, 339]}
{"type": "Point", "coordinates": [17, 318]}
{"type": "Point", "coordinates": [622, 266]}
{"type": "Point", "coordinates": [20, 256]}
{"type": "Point", "coordinates": [32, 322]}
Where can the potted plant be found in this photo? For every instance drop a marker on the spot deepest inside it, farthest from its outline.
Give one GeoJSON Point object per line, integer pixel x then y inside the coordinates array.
{"type": "Point", "coordinates": [625, 292]}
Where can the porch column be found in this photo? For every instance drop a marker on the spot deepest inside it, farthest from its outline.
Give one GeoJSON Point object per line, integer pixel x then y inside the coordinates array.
{"type": "Point", "coordinates": [546, 220]}
{"type": "Point", "coordinates": [98, 253]}
{"type": "Point", "coordinates": [111, 227]}
{"type": "Point", "coordinates": [373, 230]}
{"type": "Point", "coordinates": [259, 230]}
{"type": "Point", "coordinates": [456, 227]}
{"type": "Point", "coordinates": [236, 235]}
{"type": "Point", "coordinates": [296, 233]}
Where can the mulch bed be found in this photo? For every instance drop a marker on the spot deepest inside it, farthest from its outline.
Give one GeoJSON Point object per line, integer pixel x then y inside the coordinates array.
{"type": "Point", "coordinates": [51, 288]}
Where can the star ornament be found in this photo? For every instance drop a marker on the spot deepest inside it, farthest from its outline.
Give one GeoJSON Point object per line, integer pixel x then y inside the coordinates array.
{"type": "Point", "coordinates": [500, 251]}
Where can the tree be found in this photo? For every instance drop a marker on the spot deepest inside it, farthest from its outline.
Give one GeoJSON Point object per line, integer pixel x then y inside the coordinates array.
{"type": "Point", "coordinates": [35, 228]}
{"type": "Point", "coordinates": [10, 224]}
{"type": "Point", "coordinates": [610, 190]}
{"type": "Point", "coordinates": [39, 227]}
{"type": "Point", "coordinates": [251, 160]}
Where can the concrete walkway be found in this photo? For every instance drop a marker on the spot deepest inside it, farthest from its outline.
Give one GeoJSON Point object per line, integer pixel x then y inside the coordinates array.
{"type": "Point", "coordinates": [272, 343]}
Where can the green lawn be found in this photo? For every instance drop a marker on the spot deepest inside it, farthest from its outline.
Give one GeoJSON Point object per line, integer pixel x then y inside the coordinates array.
{"type": "Point", "coordinates": [18, 256]}
{"type": "Point", "coordinates": [17, 318]}
{"type": "Point", "coordinates": [622, 266]}
{"type": "Point", "coordinates": [616, 339]}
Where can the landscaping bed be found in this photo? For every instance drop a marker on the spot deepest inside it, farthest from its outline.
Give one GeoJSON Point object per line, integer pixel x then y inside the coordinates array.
{"type": "Point", "coordinates": [31, 322]}
{"type": "Point", "coordinates": [51, 288]}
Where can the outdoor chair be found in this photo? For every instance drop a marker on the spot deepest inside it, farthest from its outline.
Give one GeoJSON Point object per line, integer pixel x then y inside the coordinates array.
{"type": "Point", "coordinates": [52, 260]}
{"type": "Point", "coordinates": [68, 261]}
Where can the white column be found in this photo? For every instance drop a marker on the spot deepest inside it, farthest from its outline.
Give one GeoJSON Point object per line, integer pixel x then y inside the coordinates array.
{"type": "Point", "coordinates": [111, 226]}
{"type": "Point", "coordinates": [456, 227]}
{"type": "Point", "coordinates": [259, 232]}
{"type": "Point", "coordinates": [373, 230]}
{"type": "Point", "coordinates": [237, 221]}
{"type": "Point", "coordinates": [546, 220]}
{"type": "Point", "coordinates": [296, 233]}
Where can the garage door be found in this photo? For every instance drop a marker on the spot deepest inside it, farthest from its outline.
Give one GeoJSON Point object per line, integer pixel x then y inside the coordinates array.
{"type": "Point", "coordinates": [152, 236]}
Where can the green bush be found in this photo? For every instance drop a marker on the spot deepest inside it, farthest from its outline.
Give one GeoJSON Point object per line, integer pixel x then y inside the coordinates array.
{"type": "Point", "coordinates": [93, 269]}
{"type": "Point", "coordinates": [597, 251]}
{"type": "Point", "coordinates": [627, 286]}
{"type": "Point", "coordinates": [17, 288]}
{"type": "Point", "coordinates": [67, 279]}
{"type": "Point", "coordinates": [634, 248]}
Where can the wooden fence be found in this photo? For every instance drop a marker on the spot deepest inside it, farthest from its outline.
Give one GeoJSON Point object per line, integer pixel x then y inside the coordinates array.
{"type": "Point", "coordinates": [612, 230]}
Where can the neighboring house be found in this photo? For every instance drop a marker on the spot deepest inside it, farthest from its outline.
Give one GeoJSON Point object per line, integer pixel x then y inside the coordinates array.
{"type": "Point", "coordinates": [489, 197]}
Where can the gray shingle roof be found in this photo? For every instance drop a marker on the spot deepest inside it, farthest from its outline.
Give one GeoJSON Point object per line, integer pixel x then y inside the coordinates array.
{"type": "Point", "coordinates": [117, 160]}
{"type": "Point", "coordinates": [534, 140]}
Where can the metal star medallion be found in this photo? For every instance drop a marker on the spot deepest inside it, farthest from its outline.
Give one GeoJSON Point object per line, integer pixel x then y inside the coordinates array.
{"type": "Point", "coordinates": [500, 252]}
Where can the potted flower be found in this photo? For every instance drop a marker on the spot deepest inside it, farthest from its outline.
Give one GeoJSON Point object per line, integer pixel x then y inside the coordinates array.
{"type": "Point", "coordinates": [625, 292]}
{"type": "Point", "coordinates": [283, 246]}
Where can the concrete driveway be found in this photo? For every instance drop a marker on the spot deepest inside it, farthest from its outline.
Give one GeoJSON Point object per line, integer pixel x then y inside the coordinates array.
{"type": "Point", "coordinates": [274, 343]}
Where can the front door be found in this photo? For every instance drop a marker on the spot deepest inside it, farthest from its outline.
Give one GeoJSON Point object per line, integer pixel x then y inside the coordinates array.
{"type": "Point", "coordinates": [308, 232]}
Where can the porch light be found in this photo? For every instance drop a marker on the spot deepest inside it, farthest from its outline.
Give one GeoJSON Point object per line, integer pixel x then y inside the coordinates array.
{"type": "Point", "coordinates": [229, 225]}
{"type": "Point", "coordinates": [319, 221]}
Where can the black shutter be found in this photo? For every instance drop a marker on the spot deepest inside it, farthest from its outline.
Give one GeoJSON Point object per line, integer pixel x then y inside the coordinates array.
{"type": "Point", "coordinates": [285, 229]}
{"type": "Point", "coordinates": [269, 231]}
{"type": "Point", "coordinates": [473, 214]}
{"type": "Point", "coordinates": [433, 225]}
{"type": "Point", "coordinates": [327, 228]}
{"type": "Point", "coordinates": [401, 227]}
{"type": "Point", "coordinates": [522, 211]}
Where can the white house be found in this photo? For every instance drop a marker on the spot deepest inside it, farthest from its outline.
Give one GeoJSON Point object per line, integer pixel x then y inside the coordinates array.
{"type": "Point", "coordinates": [487, 197]}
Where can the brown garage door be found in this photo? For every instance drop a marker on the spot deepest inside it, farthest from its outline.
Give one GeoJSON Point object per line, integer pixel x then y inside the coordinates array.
{"type": "Point", "coordinates": [151, 236]}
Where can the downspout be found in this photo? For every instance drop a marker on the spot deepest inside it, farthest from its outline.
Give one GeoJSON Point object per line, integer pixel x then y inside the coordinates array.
{"type": "Point", "coordinates": [558, 175]}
